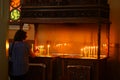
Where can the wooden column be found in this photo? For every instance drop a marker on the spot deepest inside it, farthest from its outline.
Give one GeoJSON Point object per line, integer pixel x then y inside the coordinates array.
{"type": "Point", "coordinates": [99, 39]}
{"type": "Point", "coordinates": [4, 16]}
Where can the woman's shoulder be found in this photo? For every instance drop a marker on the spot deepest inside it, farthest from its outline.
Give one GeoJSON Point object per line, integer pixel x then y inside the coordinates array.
{"type": "Point", "coordinates": [19, 43]}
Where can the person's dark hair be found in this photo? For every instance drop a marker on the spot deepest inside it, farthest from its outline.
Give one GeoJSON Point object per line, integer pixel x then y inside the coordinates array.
{"type": "Point", "coordinates": [20, 35]}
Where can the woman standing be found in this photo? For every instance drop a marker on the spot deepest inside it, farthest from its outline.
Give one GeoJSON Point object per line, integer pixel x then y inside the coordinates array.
{"type": "Point", "coordinates": [19, 53]}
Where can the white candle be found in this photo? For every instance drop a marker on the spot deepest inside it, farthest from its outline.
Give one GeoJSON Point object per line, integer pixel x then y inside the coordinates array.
{"type": "Point", "coordinates": [32, 48]}
{"type": "Point", "coordinates": [48, 49]}
{"type": "Point", "coordinates": [41, 49]}
{"type": "Point", "coordinates": [82, 52]}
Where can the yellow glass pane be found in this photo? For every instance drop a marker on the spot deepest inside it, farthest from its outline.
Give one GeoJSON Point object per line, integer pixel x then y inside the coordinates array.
{"type": "Point", "coordinates": [15, 14]}
{"type": "Point", "coordinates": [15, 3]}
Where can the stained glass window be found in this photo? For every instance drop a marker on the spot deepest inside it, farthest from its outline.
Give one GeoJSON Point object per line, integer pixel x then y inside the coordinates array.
{"type": "Point", "coordinates": [15, 11]}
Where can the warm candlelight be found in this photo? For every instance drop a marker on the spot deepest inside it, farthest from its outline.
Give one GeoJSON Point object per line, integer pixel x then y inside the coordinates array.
{"type": "Point", "coordinates": [39, 50]}
{"type": "Point", "coordinates": [7, 47]}
{"type": "Point", "coordinates": [82, 52]}
{"type": "Point", "coordinates": [48, 49]}
{"type": "Point", "coordinates": [32, 48]}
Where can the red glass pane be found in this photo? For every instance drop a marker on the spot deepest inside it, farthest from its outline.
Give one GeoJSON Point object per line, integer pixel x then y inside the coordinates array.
{"type": "Point", "coordinates": [15, 3]}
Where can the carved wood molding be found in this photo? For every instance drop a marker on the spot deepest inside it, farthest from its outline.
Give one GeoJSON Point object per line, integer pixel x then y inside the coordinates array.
{"type": "Point", "coordinates": [66, 12]}
{"type": "Point", "coordinates": [45, 9]}
{"type": "Point", "coordinates": [62, 2]}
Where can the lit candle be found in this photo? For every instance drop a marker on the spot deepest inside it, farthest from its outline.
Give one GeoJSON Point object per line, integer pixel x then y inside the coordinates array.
{"type": "Point", "coordinates": [82, 52]}
{"type": "Point", "coordinates": [92, 50]}
{"type": "Point", "coordinates": [85, 52]}
{"type": "Point", "coordinates": [96, 50]}
{"type": "Point", "coordinates": [89, 51]}
{"type": "Point", "coordinates": [32, 48]}
{"type": "Point", "coordinates": [41, 49]}
{"type": "Point", "coordinates": [48, 49]}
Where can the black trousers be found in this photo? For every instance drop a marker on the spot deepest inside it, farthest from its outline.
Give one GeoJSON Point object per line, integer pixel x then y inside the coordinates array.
{"type": "Point", "coordinates": [21, 77]}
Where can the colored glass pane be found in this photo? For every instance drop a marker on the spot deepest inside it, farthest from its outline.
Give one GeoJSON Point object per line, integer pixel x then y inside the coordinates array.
{"type": "Point", "coordinates": [15, 3]}
{"type": "Point", "coordinates": [15, 14]}
{"type": "Point", "coordinates": [11, 8]}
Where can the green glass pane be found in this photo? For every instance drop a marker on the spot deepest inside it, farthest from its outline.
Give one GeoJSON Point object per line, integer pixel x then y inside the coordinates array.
{"type": "Point", "coordinates": [15, 14]}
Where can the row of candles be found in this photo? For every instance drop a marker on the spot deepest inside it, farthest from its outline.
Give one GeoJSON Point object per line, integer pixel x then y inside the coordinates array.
{"type": "Point", "coordinates": [87, 51]}
{"type": "Point", "coordinates": [45, 50]}
{"type": "Point", "coordinates": [40, 50]}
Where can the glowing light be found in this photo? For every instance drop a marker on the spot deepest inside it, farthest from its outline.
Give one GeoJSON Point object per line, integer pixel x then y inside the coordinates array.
{"type": "Point", "coordinates": [40, 47]}
{"type": "Point", "coordinates": [104, 45]}
{"type": "Point", "coordinates": [7, 47]}
{"type": "Point", "coordinates": [89, 51]}
{"type": "Point", "coordinates": [15, 3]}
{"type": "Point", "coordinates": [48, 49]}
{"type": "Point", "coordinates": [39, 50]}
{"type": "Point", "coordinates": [15, 14]}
